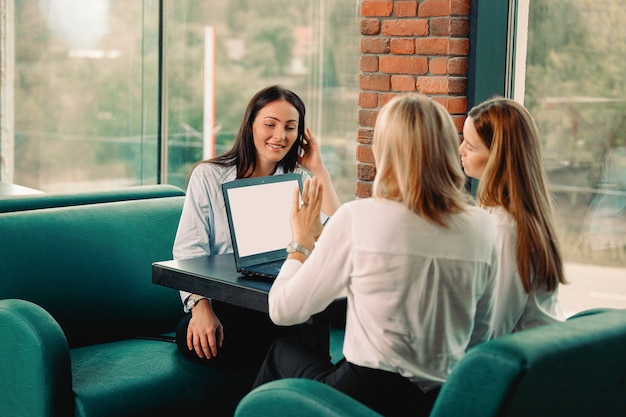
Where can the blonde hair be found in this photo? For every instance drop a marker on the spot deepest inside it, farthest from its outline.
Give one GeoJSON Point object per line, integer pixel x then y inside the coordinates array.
{"type": "Point", "coordinates": [514, 179]}
{"type": "Point", "coordinates": [417, 159]}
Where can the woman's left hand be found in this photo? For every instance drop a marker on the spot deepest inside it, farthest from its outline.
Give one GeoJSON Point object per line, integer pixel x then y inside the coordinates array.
{"type": "Point", "coordinates": [305, 216]}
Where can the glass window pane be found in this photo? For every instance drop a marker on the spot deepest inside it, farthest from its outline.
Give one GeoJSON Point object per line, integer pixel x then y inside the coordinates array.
{"type": "Point", "coordinates": [79, 93]}
{"type": "Point", "coordinates": [576, 89]}
{"type": "Point", "coordinates": [221, 53]}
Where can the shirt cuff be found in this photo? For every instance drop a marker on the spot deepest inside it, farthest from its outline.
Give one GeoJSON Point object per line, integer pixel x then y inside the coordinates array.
{"type": "Point", "coordinates": [290, 268]}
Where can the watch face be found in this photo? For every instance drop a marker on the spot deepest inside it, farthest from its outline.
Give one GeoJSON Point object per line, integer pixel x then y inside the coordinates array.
{"type": "Point", "coordinates": [296, 247]}
{"type": "Point", "coordinates": [192, 301]}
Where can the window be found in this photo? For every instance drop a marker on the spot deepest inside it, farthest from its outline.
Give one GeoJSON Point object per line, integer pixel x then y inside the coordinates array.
{"type": "Point", "coordinates": [564, 61]}
{"type": "Point", "coordinates": [97, 105]}
{"type": "Point", "coordinates": [80, 82]}
{"type": "Point", "coordinates": [219, 54]}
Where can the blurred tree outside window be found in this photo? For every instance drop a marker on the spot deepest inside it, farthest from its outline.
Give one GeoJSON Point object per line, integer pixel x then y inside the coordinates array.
{"type": "Point", "coordinates": [88, 98]}
{"type": "Point", "coordinates": [575, 87]}
{"type": "Point", "coordinates": [309, 46]}
{"type": "Point", "coordinates": [84, 109]}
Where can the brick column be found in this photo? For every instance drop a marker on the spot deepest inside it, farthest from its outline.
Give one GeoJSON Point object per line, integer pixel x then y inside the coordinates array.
{"type": "Point", "coordinates": [409, 46]}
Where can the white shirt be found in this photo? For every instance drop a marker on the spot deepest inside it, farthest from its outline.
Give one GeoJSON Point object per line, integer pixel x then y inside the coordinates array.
{"type": "Point", "coordinates": [203, 226]}
{"type": "Point", "coordinates": [419, 295]}
{"type": "Point", "coordinates": [516, 310]}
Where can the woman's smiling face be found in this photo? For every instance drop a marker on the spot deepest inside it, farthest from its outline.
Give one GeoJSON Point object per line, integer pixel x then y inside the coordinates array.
{"type": "Point", "coordinates": [275, 130]}
{"type": "Point", "coordinates": [474, 152]}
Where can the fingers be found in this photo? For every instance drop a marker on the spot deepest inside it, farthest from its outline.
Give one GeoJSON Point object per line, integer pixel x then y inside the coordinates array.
{"type": "Point", "coordinates": [220, 338]}
{"type": "Point", "coordinates": [308, 136]}
{"type": "Point", "coordinates": [311, 193]}
{"type": "Point", "coordinates": [190, 339]}
{"type": "Point", "coordinates": [205, 344]}
{"type": "Point", "coordinates": [296, 199]}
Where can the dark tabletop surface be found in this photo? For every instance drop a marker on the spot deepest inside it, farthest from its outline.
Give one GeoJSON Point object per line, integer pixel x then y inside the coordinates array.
{"type": "Point", "coordinates": [213, 276]}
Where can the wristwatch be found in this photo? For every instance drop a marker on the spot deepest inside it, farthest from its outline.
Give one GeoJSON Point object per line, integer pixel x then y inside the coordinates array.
{"type": "Point", "coordinates": [192, 300]}
{"type": "Point", "coordinates": [297, 247]}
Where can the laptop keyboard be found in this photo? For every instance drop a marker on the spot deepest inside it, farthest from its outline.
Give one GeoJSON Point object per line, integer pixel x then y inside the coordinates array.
{"type": "Point", "coordinates": [266, 270]}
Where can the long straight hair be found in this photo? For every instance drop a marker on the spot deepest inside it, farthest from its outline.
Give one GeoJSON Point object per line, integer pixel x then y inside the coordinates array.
{"type": "Point", "coordinates": [243, 153]}
{"type": "Point", "coordinates": [514, 179]}
{"type": "Point", "coordinates": [417, 158]}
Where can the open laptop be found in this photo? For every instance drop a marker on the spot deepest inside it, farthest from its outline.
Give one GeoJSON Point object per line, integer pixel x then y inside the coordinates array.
{"type": "Point", "coordinates": [259, 218]}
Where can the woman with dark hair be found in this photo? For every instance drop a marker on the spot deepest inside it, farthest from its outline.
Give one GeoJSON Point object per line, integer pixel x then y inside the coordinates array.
{"type": "Point", "coordinates": [243, 154]}
{"type": "Point", "coordinates": [501, 148]}
{"type": "Point", "coordinates": [272, 140]}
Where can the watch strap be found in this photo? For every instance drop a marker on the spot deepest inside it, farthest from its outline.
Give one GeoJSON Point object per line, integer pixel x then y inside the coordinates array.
{"type": "Point", "coordinates": [297, 247]}
{"type": "Point", "coordinates": [192, 300]}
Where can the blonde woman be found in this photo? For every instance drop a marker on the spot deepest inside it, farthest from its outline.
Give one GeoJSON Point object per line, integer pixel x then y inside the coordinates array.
{"type": "Point", "coordinates": [501, 148]}
{"type": "Point", "coordinates": [416, 261]}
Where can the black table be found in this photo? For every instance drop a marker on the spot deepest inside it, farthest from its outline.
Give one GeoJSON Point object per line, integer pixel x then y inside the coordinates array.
{"type": "Point", "coordinates": [216, 277]}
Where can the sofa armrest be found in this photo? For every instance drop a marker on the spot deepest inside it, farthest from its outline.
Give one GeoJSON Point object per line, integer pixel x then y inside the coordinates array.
{"type": "Point", "coordinates": [34, 362]}
{"type": "Point", "coordinates": [301, 397]}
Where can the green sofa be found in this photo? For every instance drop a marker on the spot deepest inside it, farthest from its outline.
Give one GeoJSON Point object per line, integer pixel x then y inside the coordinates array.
{"type": "Point", "coordinates": [571, 369]}
{"type": "Point", "coordinates": [11, 203]}
{"type": "Point", "coordinates": [83, 330]}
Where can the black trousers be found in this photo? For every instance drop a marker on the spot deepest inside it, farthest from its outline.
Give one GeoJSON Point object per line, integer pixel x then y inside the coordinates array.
{"type": "Point", "coordinates": [388, 393]}
{"type": "Point", "coordinates": [248, 335]}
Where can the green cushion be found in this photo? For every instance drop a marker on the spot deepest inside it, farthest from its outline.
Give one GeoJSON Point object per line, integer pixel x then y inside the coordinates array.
{"type": "Point", "coordinates": [34, 363]}
{"type": "Point", "coordinates": [302, 398]}
{"type": "Point", "coordinates": [577, 368]}
{"type": "Point", "coordinates": [90, 266]}
{"type": "Point", "coordinates": [140, 377]}
{"type": "Point", "coordinates": [336, 344]}
{"type": "Point", "coordinates": [49, 200]}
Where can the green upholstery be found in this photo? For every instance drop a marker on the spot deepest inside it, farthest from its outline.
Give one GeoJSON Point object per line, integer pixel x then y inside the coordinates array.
{"type": "Point", "coordinates": [76, 299]}
{"type": "Point", "coordinates": [302, 398]}
{"type": "Point", "coordinates": [577, 368]}
{"type": "Point", "coordinates": [571, 369]}
{"type": "Point", "coordinates": [35, 373]}
{"type": "Point", "coordinates": [48, 200]}
{"type": "Point", "coordinates": [94, 259]}
{"type": "Point", "coordinates": [138, 377]}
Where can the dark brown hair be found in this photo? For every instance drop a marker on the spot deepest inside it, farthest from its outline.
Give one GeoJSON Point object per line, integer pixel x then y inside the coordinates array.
{"type": "Point", "coordinates": [243, 153]}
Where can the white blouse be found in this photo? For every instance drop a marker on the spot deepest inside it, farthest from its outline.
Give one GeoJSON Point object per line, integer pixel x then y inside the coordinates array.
{"type": "Point", "coordinates": [419, 295]}
{"type": "Point", "coordinates": [516, 310]}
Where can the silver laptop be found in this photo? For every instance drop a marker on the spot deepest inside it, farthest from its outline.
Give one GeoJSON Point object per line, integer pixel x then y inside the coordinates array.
{"type": "Point", "coordinates": [259, 218]}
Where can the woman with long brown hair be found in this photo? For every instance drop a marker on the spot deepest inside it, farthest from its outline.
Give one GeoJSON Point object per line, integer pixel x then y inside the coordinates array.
{"type": "Point", "coordinates": [501, 148]}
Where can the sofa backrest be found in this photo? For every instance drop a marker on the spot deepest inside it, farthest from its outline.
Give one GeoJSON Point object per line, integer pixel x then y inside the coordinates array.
{"type": "Point", "coordinates": [576, 368]}
{"type": "Point", "coordinates": [89, 266]}
{"type": "Point", "coordinates": [48, 200]}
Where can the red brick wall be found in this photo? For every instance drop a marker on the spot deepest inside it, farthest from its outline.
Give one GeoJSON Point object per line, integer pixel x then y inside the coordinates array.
{"type": "Point", "coordinates": [409, 46]}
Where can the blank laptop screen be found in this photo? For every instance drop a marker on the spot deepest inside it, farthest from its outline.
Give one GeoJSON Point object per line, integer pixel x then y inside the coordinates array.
{"type": "Point", "coordinates": [261, 216]}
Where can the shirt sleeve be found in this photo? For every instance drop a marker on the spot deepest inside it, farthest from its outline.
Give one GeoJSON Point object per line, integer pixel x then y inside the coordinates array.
{"type": "Point", "coordinates": [192, 236]}
{"type": "Point", "coordinates": [195, 225]}
{"type": "Point", "coordinates": [304, 289]}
